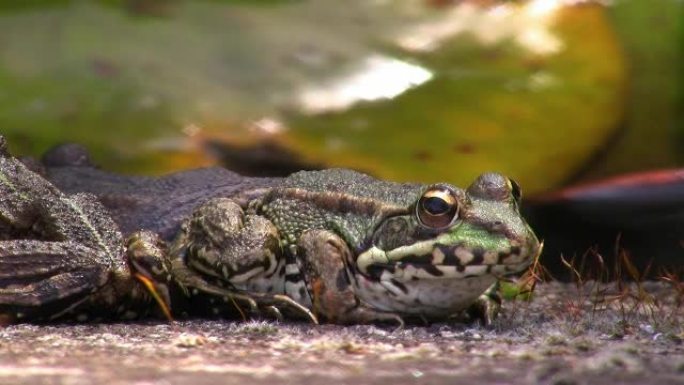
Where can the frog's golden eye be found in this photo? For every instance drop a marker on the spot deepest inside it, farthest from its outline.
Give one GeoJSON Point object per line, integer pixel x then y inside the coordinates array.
{"type": "Point", "coordinates": [438, 207]}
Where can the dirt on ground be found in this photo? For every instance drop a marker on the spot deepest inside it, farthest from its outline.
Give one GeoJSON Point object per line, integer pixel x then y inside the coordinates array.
{"type": "Point", "coordinates": [564, 335]}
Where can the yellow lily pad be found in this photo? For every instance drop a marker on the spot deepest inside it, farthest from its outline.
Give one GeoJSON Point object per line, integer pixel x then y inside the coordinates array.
{"type": "Point", "coordinates": [405, 90]}
{"type": "Point", "coordinates": [536, 116]}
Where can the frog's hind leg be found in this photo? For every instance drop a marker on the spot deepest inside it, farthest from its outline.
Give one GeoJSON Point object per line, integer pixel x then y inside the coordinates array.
{"type": "Point", "coordinates": [56, 250]}
{"type": "Point", "coordinates": [43, 280]}
{"type": "Point", "coordinates": [36, 209]}
{"type": "Point", "coordinates": [229, 254]}
{"type": "Point", "coordinates": [325, 255]}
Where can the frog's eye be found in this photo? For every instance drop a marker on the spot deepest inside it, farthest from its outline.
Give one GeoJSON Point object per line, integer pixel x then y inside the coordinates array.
{"type": "Point", "coordinates": [438, 207]}
{"type": "Point", "coordinates": [515, 190]}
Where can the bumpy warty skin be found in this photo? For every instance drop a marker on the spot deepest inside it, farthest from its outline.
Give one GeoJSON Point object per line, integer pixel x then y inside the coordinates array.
{"type": "Point", "coordinates": [333, 245]}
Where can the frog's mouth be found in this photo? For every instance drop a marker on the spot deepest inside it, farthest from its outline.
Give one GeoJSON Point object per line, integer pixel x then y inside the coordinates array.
{"type": "Point", "coordinates": [437, 259]}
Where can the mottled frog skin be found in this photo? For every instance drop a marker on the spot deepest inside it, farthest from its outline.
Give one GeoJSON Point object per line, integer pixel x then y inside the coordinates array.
{"type": "Point", "coordinates": [332, 245]}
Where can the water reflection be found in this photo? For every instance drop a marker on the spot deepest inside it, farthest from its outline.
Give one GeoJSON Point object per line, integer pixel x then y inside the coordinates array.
{"type": "Point", "coordinates": [528, 25]}
{"type": "Point", "coordinates": [377, 77]}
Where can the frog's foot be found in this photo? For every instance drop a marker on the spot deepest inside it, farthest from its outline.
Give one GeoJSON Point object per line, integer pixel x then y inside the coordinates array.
{"type": "Point", "coordinates": [193, 284]}
{"type": "Point", "coordinates": [325, 255]}
{"type": "Point", "coordinates": [487, 307]}
{"type": "Point", "coordinates": [45, 280]}
{"type": "Point", "coordinates": [224, 252]}
{"type": "Point", "coordinates": [246, 303]}
{"type": "Point", "coordinates": [146, 252]}
{"type": "Point", "coordinates": [279, 302]}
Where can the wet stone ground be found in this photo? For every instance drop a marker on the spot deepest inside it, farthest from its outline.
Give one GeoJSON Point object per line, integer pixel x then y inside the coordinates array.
{"type": "Point", "coordinates": [560, 337]}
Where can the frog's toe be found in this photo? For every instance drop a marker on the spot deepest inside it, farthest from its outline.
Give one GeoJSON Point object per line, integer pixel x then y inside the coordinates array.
{"type": "Point", "coordinates": [272, 312]}
{"type": "Point", "coordinates": [486, 308]}
{"type": "Point", "coordinates": [281, 301]}
{"type": "Point", "coordinates": [391, 318]}
{"type": "Point", "coordinates": [270, 305]}
{"type": "Point", "coordinates": [366, 316]}
{"type": "Point", "coordinates": [241, 301]}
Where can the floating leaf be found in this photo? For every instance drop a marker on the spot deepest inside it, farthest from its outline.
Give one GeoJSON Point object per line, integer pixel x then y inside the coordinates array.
{"type": "Point", "coordinates": [405, 90]}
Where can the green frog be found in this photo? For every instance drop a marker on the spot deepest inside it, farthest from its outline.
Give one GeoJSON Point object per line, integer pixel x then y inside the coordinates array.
{"type": "Point", "coordinates": [332, 245]}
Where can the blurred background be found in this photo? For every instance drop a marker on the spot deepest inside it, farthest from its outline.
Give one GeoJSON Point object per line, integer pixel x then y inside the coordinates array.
{"type": "Point", "coordinates": [548, 92]}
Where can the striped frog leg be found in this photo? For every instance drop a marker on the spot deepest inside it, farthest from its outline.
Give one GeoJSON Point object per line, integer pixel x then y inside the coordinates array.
{"type": "Point", "coordinates": [223, 252]}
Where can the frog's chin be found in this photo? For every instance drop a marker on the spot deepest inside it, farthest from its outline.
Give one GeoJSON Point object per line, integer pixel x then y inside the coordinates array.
{"type": "Point", "coordinates": [429, 298]}
{"type": "Point", "coordinates": [434, 285]}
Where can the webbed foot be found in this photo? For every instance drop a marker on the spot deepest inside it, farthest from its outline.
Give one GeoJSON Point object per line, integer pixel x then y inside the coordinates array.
{"type": "Point", "coordinates": [223, 252]}
{"type": "Point", "coordinates": [487, 306]}
{"type": "Point", "coordinates": [246, 303]}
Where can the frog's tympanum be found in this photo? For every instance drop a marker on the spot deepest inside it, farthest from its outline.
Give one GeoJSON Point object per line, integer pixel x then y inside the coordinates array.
{"type": "Point", "coordinates": [333, 245]}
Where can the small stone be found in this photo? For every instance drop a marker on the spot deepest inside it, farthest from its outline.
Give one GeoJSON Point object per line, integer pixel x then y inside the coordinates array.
{"type": "Point", "coordinates": [187, 340]}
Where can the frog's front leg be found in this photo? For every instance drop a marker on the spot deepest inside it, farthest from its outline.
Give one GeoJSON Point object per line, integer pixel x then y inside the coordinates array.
{"type": "Point", "coordinates": [487, 306]}
{"type": "Point", "coordinates": [224, 252]}
{"type": "Point", "coordinates": [324, 257]}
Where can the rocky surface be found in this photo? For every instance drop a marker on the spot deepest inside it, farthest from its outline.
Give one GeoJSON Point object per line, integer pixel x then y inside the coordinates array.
{"type": "Point", "coordinates": [562, 336]}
